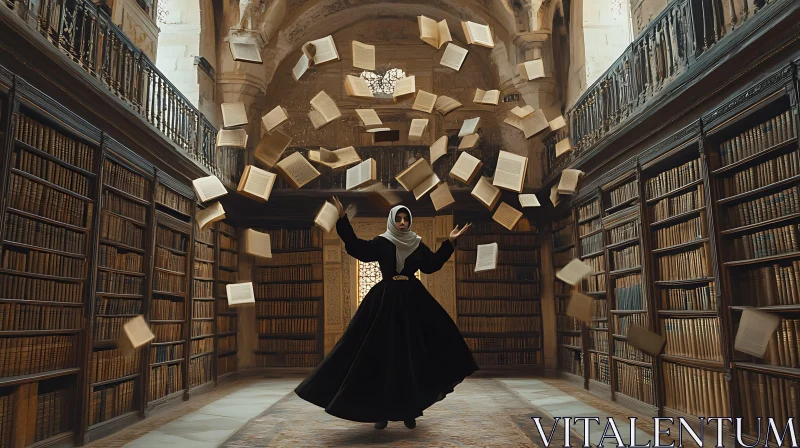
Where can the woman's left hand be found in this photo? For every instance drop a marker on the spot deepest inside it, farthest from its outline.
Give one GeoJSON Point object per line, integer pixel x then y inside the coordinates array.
{"type": "Point", "coordinates": [457, 233]}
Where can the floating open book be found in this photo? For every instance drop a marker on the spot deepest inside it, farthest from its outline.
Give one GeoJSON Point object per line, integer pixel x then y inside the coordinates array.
{"type": "Point", "coordinates": [233, 115]}
{"type": "Point", "coordinates": [573, 272]}
{"type": "Point", "coordinates": [404, 87]}
{"type": "Point", "coordinates": [522, 112]}
{"type": "Point", "coordinates": [362, 174]}
{"type": "Point", "coordinates": [487, 97]}
{"type": "Point", "coordinates": [256, 183]}
{"type": "Point", "coordinates": [531, 70]}
{"type": "Point", "coordinates": [208, 215]}
{"type": "Point", "coordinates": [653, 343]}
{"type": "Point", "coordinates": [274, 118]}
{"type": "Point", "coordinates": [438, 149]}
{"type": "Point", "coordinates": [554, 199]}
{"type": "Point", "coordinates": [271, 148]}
{"type": "Point", "coordinates": [301, 67]}
{"type": "Point", "coordinates": [321, 50]}
{"type": "Point", "coordinates": [441, 196]}
{"type": "Point", "coordinates": [557, 123]}
{"type": "Point", "coordinates": [444, 104]}
{"type": "Point", "coordinates": [327, 216]}
{"type": "Point", "coordinates": [531, 124]}
{"type": "Point", "coordinates": [756, 329]}
{"type": "Point", "coordinates": [369, 117]}
{"type": "Point", "coordinates": [257, 244]}
{"type": "Point", "coordinates": [486, 258]}
{"type": "Point", "coordinates": [529, 200]}
{"type": "Point", "coordinates": [356, 86]}
{"type": "Point", "coordinates": [510, 171]}
{"type": "Point", "coordinates": [418, 178]}
{"type": "Point", "coordinates": [424, 101]}
{"type": "Point", "coordinates": [469, 141]}
{"type": "Point", "coordinates": [453, 56]}
{"type": "Point", "coordinates": [296, 170]}
{"type": "Point", "coordinates": [208, 188]}
{"type": "Point", "coordinates": [324, 110]}
{"type": "Point", "coordinates": [363, 55]}
{"type": "Point", "coordinates": [382, 195]}
{"type": "Point", "coordinates": [478, 34]}
{"type": "Point", "coordinates": [507, 216]}
{"type": "Point", "coordinates": [580, 306]}
{"type": "Point", "coordinates": [466, 168]}
{"type": "Point", "coordinates": [339, 158]}
{"type": "Point", "coordinates": [240, 294]}
{"type": "Point", "coordinates": [470, 126]}
{"type": "Point", "coordinates": [569, 181]}
{"type": "Point", "coordinates": [232, 138]}
{"type": "Point", "coordinates": [417, 128]}
{"type": "Point", "coordinates": [486, 193]}
{"type": "Point", "coordinates": [563, 147]}
{"type": "Point", "coordinates": [434, 33]}
{"type": "Point", "coordinates": [135, 333]}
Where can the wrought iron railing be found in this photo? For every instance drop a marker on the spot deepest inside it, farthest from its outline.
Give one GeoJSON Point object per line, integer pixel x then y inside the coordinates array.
{"type": "Point", "coordinates": [669, 45]}
{"type": "Point", "coordinates": [87, 35]}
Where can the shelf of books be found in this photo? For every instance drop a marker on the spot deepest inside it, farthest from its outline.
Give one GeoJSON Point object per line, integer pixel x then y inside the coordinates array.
{"type": "Point", "coordinates": [675, 216]}
{"type": "Point", "coordinates": [289, 292]}
{"type": "Point", "coordinates": [169, 305]}
{"type": "Point", "coordinates": [121, 280]}
{"type": "Point", "coordinates": [631, 369]}
{"type": "Point", "coordinates": [46, 247]}
{"type": "Point", "coordinates": [569, 329]}
{"type": "Point", "coordinates": [499, 311]}
{"type": "Point", "coordinates": [591, 250]}
{"type": "Point", "coordinates": [754, 164]}
{"type": "Point", "coordinates": [227, 317]}
{"type": "Point", "coordinates": [203, 334]}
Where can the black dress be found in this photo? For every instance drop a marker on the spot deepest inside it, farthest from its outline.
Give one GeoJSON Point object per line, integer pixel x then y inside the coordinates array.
{"type": "Point", "coordinates": [401, 352]}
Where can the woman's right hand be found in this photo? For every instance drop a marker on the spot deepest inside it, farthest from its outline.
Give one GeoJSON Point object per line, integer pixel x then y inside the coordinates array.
{"type": "Point", "coordinates": [339, 207]}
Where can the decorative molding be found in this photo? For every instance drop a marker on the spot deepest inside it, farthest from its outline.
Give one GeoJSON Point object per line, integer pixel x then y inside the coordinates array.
{"type": "Point", "coordinates": [205, 66]}
{"type": "Point", "coordinates": [175, 184]}
{"type": "Point", "coordinates": [622, 171]}
{"type": "Point", "coordinates": [689, 132]}
{"type": "Point", "coordinates": [125, 156]}
{"type": "Point", "coordinates": [332, 254]}
{"type": "Point", "coordinates": [333, 296]}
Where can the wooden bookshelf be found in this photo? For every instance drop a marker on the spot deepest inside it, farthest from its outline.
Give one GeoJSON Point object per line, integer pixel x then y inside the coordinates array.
{"type": "Point", "coordinates": [202, 343]}
{"type": "Point", "coordinates": [227, 271]}
{"type": "Point", "coordinates": [570, 331]}
{"type": "Point", "coordinates": [289, 292]}
{"type": "Point", "coordinates": [499, 311]}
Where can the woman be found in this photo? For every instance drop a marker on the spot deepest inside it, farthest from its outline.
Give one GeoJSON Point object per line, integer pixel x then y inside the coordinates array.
{"type": "Point", "coordinates": [401, 352]}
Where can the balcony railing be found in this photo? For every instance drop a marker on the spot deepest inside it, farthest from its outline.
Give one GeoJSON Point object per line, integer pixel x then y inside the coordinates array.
{"type": "Point", "coordinates": [86, 34]}
{"type": "Point", "coordinates": [670, 44]}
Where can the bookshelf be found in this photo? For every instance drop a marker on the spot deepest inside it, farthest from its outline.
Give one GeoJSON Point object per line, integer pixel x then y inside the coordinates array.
{"type": "Point", "coordinates": [289, 292]}
{"type": "Point", "coordinates": [50, 172]}
{"type": "Point", "coordinates": [203, 333]}
{"type": "Point", "coordinates": [570, 331]}
{"type": "Point", "coordinates": [499, 311]}
{"type": "Point", "coordinates": [227, 251]}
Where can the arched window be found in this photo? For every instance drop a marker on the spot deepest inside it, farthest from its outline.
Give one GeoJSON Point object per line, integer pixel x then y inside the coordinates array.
{"type": "Point", "coordinates": [369, 274]}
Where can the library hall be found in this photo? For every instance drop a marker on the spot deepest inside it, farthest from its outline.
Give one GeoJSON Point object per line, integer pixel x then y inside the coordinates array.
{"type": "Point", "coordinates": [401, 223]}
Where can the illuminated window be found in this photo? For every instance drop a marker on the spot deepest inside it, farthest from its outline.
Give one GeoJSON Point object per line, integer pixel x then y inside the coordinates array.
{"type": "Point", "coordinates": [382, 82]}
{"type": "Point", "coordinates": [369, 274]}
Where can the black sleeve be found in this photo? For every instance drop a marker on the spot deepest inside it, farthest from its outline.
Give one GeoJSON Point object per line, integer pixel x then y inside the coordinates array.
{"type": "Point", "coordinates": [357, 248]}
{"type": "Point", "coordinates": [432, 262]}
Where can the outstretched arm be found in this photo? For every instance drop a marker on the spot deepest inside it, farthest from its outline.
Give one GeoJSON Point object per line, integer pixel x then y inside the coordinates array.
{"type": "Point", "coordinates": [357, 248]}
{"type": "Point", "coordinates": [432, 262]}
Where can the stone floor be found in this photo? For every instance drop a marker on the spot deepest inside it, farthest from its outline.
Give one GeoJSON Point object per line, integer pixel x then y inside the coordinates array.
{"type": "Point", "coordinates": [481, 412]}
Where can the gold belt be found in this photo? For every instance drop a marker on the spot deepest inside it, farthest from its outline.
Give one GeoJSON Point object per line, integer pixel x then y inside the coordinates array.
{"type": "Point", "coordinates": [400, 277]}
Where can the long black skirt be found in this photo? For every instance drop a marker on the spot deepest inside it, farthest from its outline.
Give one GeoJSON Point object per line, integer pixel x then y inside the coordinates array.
{"type": "Point", "coordinates": [400, 354]}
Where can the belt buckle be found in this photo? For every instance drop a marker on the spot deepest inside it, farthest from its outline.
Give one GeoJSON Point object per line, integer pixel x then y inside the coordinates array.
{"type": "Point", "coordinates": [399, 277]}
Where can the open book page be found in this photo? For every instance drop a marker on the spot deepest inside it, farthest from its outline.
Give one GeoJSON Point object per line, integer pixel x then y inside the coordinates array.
{"type": "Point", "coordinates": [554, 199]}
{"type": "Point", "coordinates": [466, 167]}
{"type": "Point", "coordinates": [369, 117]}
{"type": "Point", "coordinates": [415, 174]}
{"type": "Point", "coordinates": [444, 34]}
{"type": "Point", "coordinates": [327, 216]}
{"type": "Point", "coordinates": [755, 331]}
{"type": "Point", "coordinates": [523, 112]}
{"type": "Point", "coordinates": [233, 114]}
{"type": "Point", "coordinates": [487, 96]}
{"type": "Point", "coordinates": [256, 183]}
{"type": "Point", "coordinates": [531, 70]}
{"type": "Point", "coordinates": [344, 157]}
{"type": "Point", "coordinates": [428, 31]}
{"type": "Point", "coordinates": [438, 148]}
{"type": "Point", "coordinates": [297, 170]}
{"type": "Point", "coordinates": [234, 138]}
{"type": "Point", "coordinates": [257, 244]}
{"type": "Point", "coordinates": [404, 86]}
{"type": "Point", "coordinates": [646, 340]}
{"type": "Point", "coordinates": [360, 174]}
{"type": "Point", "coordinates": [425, 186]}
{"type": "Point", "coordinates": [274, 118]}
{"type": "Point", "coordinates": [363, 55]}
{"type": "Point", "coordinates": [529, 200]}
{"type": "Point", "coordinates": [534, 123]}
{"type": "Point", "coordinates": [271, 147]}
{"type": "Point", "coordinates": [557, 123]}
{"type": "Point", "coordinates": [507, 216]}
{"type": "Point", "coordinates": [317, 120]}
{"type": "Point", "coordinates": [210, 214]}
{"type": "Point", "coordinates": [486, 258]}
{"type": "Point", "coordinates": [417, 128]}
{"type": "Point", "coordinates": [478, 34]}
{"type": "Point", "coordinates": [514, 120]}
{"type": "Point", "coordinates": [321, 50]}
{"type": "Point", "coordinates": [376, 130]}
{"type": "Point", "coordinates": [580, 307]}
{"type": "Point", "coordinates": [135, 333]}
{"type": "Point", "coordinates": [240, 294]}
{"type": "Point", "coordinates": [469, 141]}
{"type": "Point", "coordinates": [479, 94]}
{"type": "Point", "coordinates": [444, 104]}
{"type": "Point", "coordinates": [424, 101]}
{"type": "Point", "coordinates": [563, 147]}
{"type": "Point", "coordinates": [327, 156]}
{"type": "Point", "coordinates": [323, 104]}
{"type": "Point", "coordinates": [569, 181]}
{"type": "Point", "coordinates": [247, 51]}
{"type": "Point", "coordinates": [441, 196]}
{"type": "Point", "coordinates": [510, 171]}
{"type": "Point", "coordinates": [470, 126]}
{"type": "Point", "coordinates": [486, 193]}
{"type": "Point", "coordinates": [208, 188]}
{"type": "Point", "coordinates": [453, 56]}
{"type": "Point", "coordinates": [356, 86]}
{"type": "Point", "coordinates": [300, 68]}
{"type": "Point", "coordinates": [573, 272]}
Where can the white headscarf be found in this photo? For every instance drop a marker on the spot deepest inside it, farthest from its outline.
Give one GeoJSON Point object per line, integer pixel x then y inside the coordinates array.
{"type": "Point", "coordinates": [405, 241]}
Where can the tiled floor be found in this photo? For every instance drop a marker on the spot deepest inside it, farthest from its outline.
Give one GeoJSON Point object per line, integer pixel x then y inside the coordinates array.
{"type": "Point", "coordinates": [209, 420]}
